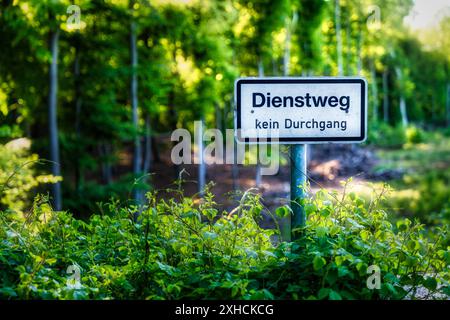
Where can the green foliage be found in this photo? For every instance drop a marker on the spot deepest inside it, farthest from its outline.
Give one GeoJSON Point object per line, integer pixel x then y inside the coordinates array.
{"type": "Point", "coordinates": [386, 136]}
{"type": "Point", "coordinates": [414, 135]}
{"type": "Point", "coordinates": [18, 175]}
{"type": "Point", "coordinates": [174, 249]}
{"type": "Point", "coordinates": [189, 54]}
{"type": "Point", "coordinates": [424, 189]}
{"type": "Point", "coordinates": [342, 239]}
{"type": "Point", "coordinates": [435, 193]}
{"type": "Point", "coordinates": [183, 248]}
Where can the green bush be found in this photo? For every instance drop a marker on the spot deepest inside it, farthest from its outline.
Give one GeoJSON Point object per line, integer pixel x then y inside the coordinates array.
{"type": "Point", "coordinates": [434, 193]}
{"type": "Point", "coordinates": [414, 135]}
{"type": "Point", "coordinates": [423, 196]}
{"type": "Point", "coordinates": [343, 239]}
{"type": "Point", "coordinates": [18, 175]}
{"type": "Point", "coordinates": [386, 136]}
{"type": "Point", "coordinates": [184, 248]}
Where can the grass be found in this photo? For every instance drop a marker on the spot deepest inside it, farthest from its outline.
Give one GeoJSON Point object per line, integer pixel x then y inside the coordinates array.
{"type": "Point", "coordinates": [424, 188]}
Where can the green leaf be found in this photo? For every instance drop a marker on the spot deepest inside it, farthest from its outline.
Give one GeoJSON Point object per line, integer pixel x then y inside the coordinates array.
{"type": "Point", "coordinates": [8, 291]}
{"type": "Point", "coordinates": [323, 293]}
{"type": "Point", "coordinates": [310, 208]}
{"type": "Point", "coordinates": [334, 295]}
{"type": "Point", "coordinates": [269, 254]}
{"type": "Point", "coordinates": [387, 289]}
{"type": "Point", "coordinates": [234, 291]}
{"type": "Point", "coordinates": [210, 235]}
{"type": "Point", "coordinates": [325, 212]}
{"type": "Point", "coordinates": [446, 290]}
{"type": "Point", "coordinates": [343, 271]}
{"type": "Point", "coordinates": [339, 260]}
{"type": "Point", "coordinates": [268, 294]}
{"type": "Point", "coordinates": [282, 212]}
{"type": "Point", "coordinates": [332, 277]}
{"type": "Point", "coordinates": [403, 225]}
{"type": "Point", "coordinates": [321, 231]}
{"type": "Point", "coordinates": [319, 262]}
{"type": "Point", "coordinates": [365, 235]}
{"type": "Point", "coordinates": [166, 268]}
{"type": "Point", "coordinates": [430, 283]}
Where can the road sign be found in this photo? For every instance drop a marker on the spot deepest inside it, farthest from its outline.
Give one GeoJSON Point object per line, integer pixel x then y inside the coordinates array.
{"type": "Point", "coordinates": [301, 110]}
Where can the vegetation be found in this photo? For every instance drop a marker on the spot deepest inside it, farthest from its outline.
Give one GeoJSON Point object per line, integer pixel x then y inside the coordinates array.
{"type": "Point", "coordinates": [18, 177]}
{"type": "Point", "coordinates": [176, 249]}
{"type": "Point", "coordinates": [423, 189]}
{"type": "Point", "coordinates": [90, 91]}
{"type": "Point", "coordinates": [130, 71]}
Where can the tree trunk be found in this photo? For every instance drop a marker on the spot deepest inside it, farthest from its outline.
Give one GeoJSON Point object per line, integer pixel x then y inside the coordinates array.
{"type": "Point", "coordinates": [53, 121]}
{"type": "Point", "coordinates": [201, 161]}
{"type": "Point", "coordinates": [148, 146]}
{"type": "Point", "coordinates": [258, 177]}
{"type": "Point", "coordinates": [337, 17]}
{"type": "Point", "coordinates": [403, 111]}
{"type": "Point", "coordinates": [105, 151]}
{"type": "Point", "coordinates": [172, 111]}
{"type": "Point", "coordinates": [260, 68]}
{"type": "Point", "coordinates": [287, 48]}
{"type": "Point", "coordinates": [348, 43]}
{"type": "Point", "coordinates": [78, 104]}
{"type": "Point", "coordinates": [234, 168]}
{"type": "Point", "coordinates": [360, 46]}
{"type": "Point", "coordinates": [385, 96]}
{"type": "Point", "coordinates": [173, 120]}
{"type": "Point", "coordinates": [134, 100]}
{"type": "Point", "coordinates": [374, 90]}
{"type": "Point", "coordinates": [447, 105]}
{"type": "Point", "coordinates": [137, 154]}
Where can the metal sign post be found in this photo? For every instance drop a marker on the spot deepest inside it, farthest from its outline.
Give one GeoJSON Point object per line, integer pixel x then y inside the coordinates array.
{"type": "Point", "coordinates": [298, 181]}
{"type": "Point", "coordinates": [300, 111]}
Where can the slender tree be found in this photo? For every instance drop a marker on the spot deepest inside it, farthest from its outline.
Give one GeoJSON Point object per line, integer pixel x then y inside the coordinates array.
{"type": "Point", "coordinates": [386, 95]}
{"type": "Point", "coordinates": [53, 117]}
{"type": "Point", "coordinates": [374, 89]}
{"type": "Point", "coordinates": [447, 104]}
{"type": "Point", "coordinates": [402, 99]}
{"type": "Point", "coordinates": [337, 19]}
{"type": "Point", "coordinates": [137, 154]}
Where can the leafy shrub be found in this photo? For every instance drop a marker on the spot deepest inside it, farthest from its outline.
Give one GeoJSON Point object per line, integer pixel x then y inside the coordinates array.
{"type": "Point", "coordinates": [414, 135]}
{"type": "Point", "coordinates": [174, 249]}
{"type": "Point", "coordinates": [18, 175]}
{"type": "Point", "coordinates": [343, 238]}
{"type": "Point", "coordinates": [82, 201]}
{"type": "Point", "coordinates": [434, 193]}
{"type": "Point", "coordinates": [386, 136]}
{"type": "Point", "coordinates": [426, 195]}
{"type": "Point", "coordinates": [186, 248]}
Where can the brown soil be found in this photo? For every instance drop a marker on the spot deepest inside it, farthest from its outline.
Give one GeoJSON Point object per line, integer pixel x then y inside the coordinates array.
{"type": "Point", "coordinates": [328, 165]}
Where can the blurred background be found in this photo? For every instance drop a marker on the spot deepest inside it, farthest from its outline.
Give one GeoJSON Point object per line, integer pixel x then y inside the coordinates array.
{"type": "Point", "coordinates": [91, 90]}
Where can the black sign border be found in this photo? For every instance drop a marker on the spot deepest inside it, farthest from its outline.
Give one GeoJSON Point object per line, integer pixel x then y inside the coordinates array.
{"type": "Point", "coordinates": [361, 138]}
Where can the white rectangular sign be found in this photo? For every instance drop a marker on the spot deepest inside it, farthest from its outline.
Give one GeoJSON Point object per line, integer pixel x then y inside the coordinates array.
{"type": "Point", "coordinates": [301, 110]}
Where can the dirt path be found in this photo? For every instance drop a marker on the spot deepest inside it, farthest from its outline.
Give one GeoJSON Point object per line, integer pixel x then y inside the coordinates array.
{"type": "Point", "coordinates": [328, 165]}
